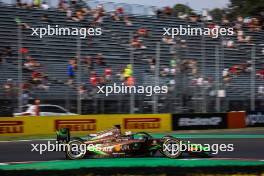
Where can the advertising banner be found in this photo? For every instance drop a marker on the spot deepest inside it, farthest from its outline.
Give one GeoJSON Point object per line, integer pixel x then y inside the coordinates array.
{"type": "Point", "coordinates": [255, 119]}
{"type": "Point", "coordinates": [191, 121]}
{"type": "Point", "coordinates": [84, 124]}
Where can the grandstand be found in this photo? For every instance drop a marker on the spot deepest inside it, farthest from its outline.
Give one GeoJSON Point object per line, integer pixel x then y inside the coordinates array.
{"type": "Point", "coordinates": [54, 52]}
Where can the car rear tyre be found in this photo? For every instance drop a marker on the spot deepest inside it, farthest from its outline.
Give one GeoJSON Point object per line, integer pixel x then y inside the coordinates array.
{"type": "Point", "coordinates": [171, 148]}
{"type": "Point", "coordinates": [76, 149]}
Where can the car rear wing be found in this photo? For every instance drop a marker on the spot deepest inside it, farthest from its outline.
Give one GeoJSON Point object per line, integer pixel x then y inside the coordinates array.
{"type": "Point", "coordinates": [63, 135]}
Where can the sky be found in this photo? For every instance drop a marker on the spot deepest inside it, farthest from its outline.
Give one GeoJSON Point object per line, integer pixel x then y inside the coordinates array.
{"type": "Point", "coordinates": [194, 4]}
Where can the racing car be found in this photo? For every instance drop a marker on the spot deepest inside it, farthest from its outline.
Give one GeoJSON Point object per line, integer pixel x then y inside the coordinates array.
{"type": "Point", "coordinates": [112, 143]}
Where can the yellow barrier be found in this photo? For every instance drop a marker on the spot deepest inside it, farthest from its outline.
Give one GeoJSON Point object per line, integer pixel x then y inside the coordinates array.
{"type": "Point", "coordinates": [17, 126]}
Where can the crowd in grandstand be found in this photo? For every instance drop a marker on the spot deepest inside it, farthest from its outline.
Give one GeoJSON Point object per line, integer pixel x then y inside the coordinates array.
{"type": "Point", "coordinates": [77, 12]}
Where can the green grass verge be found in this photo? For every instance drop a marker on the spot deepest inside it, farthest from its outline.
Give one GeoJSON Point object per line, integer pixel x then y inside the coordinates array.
{"type": "Point", "coordinates": [128, 162]}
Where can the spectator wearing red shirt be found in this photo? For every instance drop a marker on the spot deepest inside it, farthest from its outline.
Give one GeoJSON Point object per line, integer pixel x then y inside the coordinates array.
{"type": "Point", "coordinates": [93, 79]}
{"type": "Point", "coordinates": [142, 32]}
{"type": "Point", "coordinates": [260, 73]}
{"type": "Point", "coordinates": [136, 43]}
{"type": "Point", "coordinates": [108, 74]}
{"type": "Point", "coordinates": [35, 77]}
{"type": "Point", "coordinates": [119, 10]}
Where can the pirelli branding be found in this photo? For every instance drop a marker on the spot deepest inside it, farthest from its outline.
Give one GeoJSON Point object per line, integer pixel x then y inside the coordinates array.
{"type": "Point", "coordinates": [142, 123]}
{"type": "Point", "coordinates": [76, 124]}
{"type": "Point", "coordinates": [11, 127]}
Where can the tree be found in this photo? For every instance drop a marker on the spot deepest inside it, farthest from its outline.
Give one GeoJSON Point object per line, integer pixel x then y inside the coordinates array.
{"type": "Point", "coordinates": [217, 14]}
{"type": "Point", "coordinates": [182, 8]}
{"type": "Point", "coordinates": [246, 7]}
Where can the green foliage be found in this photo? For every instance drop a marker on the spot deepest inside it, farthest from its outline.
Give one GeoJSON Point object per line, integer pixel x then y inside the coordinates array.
{"type": "Point", "coordinates": [182, 8]}
{"type": "Point", "coordinates": [244, 8]}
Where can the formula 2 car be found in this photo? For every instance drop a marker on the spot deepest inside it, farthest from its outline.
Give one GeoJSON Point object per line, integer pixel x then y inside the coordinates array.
{"type": "Point", "coordinates": [112, 143]}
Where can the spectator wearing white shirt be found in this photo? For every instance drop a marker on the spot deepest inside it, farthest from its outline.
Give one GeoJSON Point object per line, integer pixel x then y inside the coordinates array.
{"type": "Point", "coordinates": [44, 6]}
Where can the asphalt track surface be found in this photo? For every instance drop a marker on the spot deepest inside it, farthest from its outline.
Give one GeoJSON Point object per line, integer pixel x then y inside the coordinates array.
{"type": "Point", "coordinates": [249, 148]}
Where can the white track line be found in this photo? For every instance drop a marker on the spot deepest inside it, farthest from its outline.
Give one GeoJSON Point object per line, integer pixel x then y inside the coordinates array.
{"type": "Point", "coordinates": [28, 140]}
{"type": "Point", "coordinates": [25, 162]}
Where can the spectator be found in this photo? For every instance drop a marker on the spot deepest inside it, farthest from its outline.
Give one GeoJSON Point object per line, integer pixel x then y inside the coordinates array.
{"type": "Point", "coordinates": [99, 59]}
{"type": "Point", "coordinates": [79, 15]}
{"type": "Point", "coordinates": [99, 13]}
{"type": "Point", "coordinates": [152, 63]}
{"type": "Point", "coordinates": [119, 11]}
{"type": "Point", "coordinates": [62, 5]}
{"type": "Point", "coordinates": [69, 14]}
{"type": "Point", "coordinates": [101, 80]}
{"type": "Point", "coordinates": [36, 107]}
{"type": "Point", "coordinates": [36, 3]}
{"type": "Point", "coordinates": [119, 14]}
{"type": "Point", "coordinates": [31, 64]}
{"type": "Point", "coordinates": [158, 13]}
{"type": "Point", "coordinates": [136, 43]}
{"type": "Point", "coordinates": [36, 78]}
{"type": "Point", "coordinates": [193, 18]}
{"type": "Point", "coordinates": [21, 4]}
{"type": "Point", "coordinates": [261, 90]}
{"type": "Point", "coordinates": [9, 88]}
{"type": "Point", "coordinates": [44, 6]}
{"type": "Point", "coordinates": [173, 63]}
{"type": "Point", "coordinates": [228, 43]}
{"type": "Point", "coordinates": [168, 40]}
{"type": "Point", "coordinates": [254, 25]}
{"type": "Point", "coordinates": [165, 71]}
{"type": "Point", "coordinates": [25, 97]}
{"type": "Point", "coordinates": [89, 62]}
{"type": "Point", "coordinates": [234, 70]}
{"type": "Point", "coordinates": [45, 18]}
{"type": "Point", "coordinates": [225, 72]}
{"type": "Point", "coordinates": [71, 71]}
{"type": "Point", "coordinates": [173, 66]}
{"type": "Point", "coordinates": [127, 21]}
{"type": "Point", "coordinates": [5, 52]}
{"type": "Point", "coordinates": [108, 74]}
{"type": "Point", "coordinates": [260, 73]}
{"type": "Point", "coordinates": [227, 79]}
{"type": "Point", "coordinates": [167, 11]}
{"type": "Point", "coordinates": [44, 82]}
{"type": "Point", "coordinates": [130, 81]}
{"type": "Point", "coordinates": [183, 44]}
{"type": "Point", "coordinates": [128, 71]}
{"type": "Point", "coordinates": [93, 79]}
{"type": "Point", "coordinates": [24, 52]}
{"type": "Point", "coordinates": [83, 91]}
{"type": "Point", "coordinates": [120, 73]}
{"type": "Point", "coordinates": [182, 15]}
{"type": "Point", "coordinates": [225, 21]}
{"type": "Point", "coordinates": [142, 32]}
